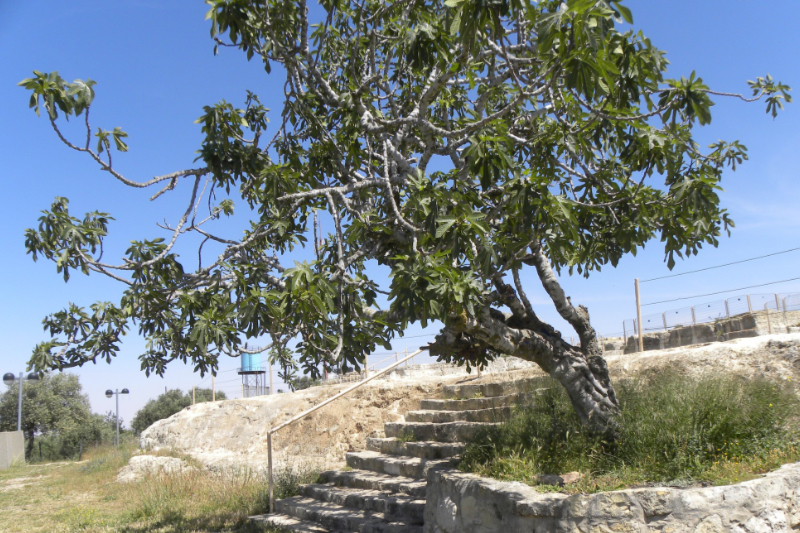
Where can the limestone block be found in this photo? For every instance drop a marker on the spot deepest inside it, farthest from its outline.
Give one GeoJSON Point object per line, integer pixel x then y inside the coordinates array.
{"type": "Point", "coordinates": [141, 466]}
{"type": "Point", "coordinates": [654, 502]}
{"type": "Point", "coordinates": [710, 524]}
{"type": "Point", "coordinates": [471, 504]}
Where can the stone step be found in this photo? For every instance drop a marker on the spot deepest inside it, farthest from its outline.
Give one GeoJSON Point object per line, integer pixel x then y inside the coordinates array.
{"type": "Point", "coordinates": [337, 518]}
{"type": "Point", "coordinates": [494, 414]}
{"type": "Point", "coordinates": [475, 404]}
{"type": "Point", "coordinates": [288, 523]}
{"type": "Point", "coordinates": [361, 479]}
{"type": "Point", "coordinates": [395, 508]}
{"type": "Point", "coordinates": [426, 431]}
{"type": "Point", "coordinates": [487, 390]}
{"type": "Point", "coordinates": [423, 449]}
{"type": "Point", "coordinates": [413, 467]}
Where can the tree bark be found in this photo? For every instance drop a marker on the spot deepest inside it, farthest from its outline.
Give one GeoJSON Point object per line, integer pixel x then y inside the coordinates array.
{"type": "Point", "coordinates": [582, 371]}
{"type": "Point", "coordinates": [29, 447]}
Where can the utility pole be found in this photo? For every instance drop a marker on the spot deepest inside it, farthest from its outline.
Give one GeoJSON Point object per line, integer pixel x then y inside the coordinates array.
{"type": "Point", "coordinates": [19, 405]}
{"type": "Point", "coordinates": [639, 316]}
{"type": "Point", "coordinates": [213, 389]}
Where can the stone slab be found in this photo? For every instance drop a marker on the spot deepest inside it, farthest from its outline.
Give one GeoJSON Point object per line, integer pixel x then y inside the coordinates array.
{"type": "Point", "coordinates": [465, 503]}
{"type": "Point", "coordinates": [12, 448]}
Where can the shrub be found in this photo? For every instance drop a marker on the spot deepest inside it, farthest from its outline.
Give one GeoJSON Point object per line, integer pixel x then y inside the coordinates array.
{"type": "Point", "coordinates": [673, 428]}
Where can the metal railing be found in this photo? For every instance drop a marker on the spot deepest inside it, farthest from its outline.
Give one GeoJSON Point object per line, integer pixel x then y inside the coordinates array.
{"type": "Point", "coordinates": [319, 406]}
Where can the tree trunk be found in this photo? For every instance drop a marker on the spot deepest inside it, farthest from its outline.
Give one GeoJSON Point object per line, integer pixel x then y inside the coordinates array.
{"type": "Point", "coordinates": [29, 447]}
{"type": "Point", "coordinates": [581, 370]}
{"type": "Point", "coordinates": [584, 378]}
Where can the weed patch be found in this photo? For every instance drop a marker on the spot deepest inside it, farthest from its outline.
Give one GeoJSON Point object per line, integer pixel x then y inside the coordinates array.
{"type": "Point", "coordinates": [675, 430]}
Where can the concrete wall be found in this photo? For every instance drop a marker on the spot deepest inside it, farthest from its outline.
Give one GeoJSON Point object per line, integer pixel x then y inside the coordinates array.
{"type": "Point", "coordinates": [464, 503]}
{"type": "Point", "coordinates": [12, 448]}
{"type": "Point", "coordinates": [736, 327]}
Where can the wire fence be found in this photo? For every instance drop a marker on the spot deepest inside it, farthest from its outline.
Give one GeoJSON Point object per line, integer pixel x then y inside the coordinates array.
{"type": "Point", "coordinates": [685, 316]}
{"type": "Point", "coordinates": [712, 311]}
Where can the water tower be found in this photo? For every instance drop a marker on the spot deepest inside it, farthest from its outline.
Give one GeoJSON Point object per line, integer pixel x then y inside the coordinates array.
{"type": "Point", "coordinates": [253, 376]}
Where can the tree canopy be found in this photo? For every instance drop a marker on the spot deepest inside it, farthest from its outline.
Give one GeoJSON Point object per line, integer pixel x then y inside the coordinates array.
{"type": "Point", "coordinates": [461, 144]}
{"type": "Point", "coordinates": [53, 405]}
{"type": "Point", "coordinates": [168, 404]}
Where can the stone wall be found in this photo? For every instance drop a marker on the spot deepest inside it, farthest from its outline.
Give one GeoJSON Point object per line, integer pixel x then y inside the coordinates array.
{"type": "Point", "coordinates": [12, 448]}
{"type": "Point", "coordinates": [464, 503]}
{"type": "Point", "coordinates": [736, 327]}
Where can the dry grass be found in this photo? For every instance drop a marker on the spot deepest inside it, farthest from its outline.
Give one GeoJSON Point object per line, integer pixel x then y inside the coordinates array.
{"type": "Point", "coordinates": [84, 497]}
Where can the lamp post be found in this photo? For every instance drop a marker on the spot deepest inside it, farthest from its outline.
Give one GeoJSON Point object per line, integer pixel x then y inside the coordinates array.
{"type": "Point", "coordinates": [8, 379]}
{"type": "Point", "coordinates": [109, 394]}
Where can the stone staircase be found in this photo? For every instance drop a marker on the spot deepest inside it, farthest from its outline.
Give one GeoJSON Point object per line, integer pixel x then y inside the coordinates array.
{"type": "Point", "coordinates": [385, 490]}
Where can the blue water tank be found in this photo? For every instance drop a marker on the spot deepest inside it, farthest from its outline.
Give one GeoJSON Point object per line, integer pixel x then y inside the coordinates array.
{"type": "Point", "coordinates": [255, 361]}
{"type": "Point", "coordinates": [246, 362]}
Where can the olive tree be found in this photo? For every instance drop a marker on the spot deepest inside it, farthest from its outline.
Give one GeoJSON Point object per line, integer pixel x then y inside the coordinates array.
{"type": "Point", "coordinates": [53, 406]}
{"type": "Point", "coordinates": [462, 144]}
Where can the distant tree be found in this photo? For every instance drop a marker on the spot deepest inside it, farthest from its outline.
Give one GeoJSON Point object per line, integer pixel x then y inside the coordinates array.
{"type": "Point", "coordinates": [53, 405]}
{"type": "Point", "coordinates": [98, 429]}
{"type": "Point", "coordinates": [168, 404]}
{"type": "Point", "coordinates": [303, 382]}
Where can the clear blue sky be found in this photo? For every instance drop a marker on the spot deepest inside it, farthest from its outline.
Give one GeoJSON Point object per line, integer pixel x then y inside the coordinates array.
{"type": "Point", "coordinates": [155, 70]}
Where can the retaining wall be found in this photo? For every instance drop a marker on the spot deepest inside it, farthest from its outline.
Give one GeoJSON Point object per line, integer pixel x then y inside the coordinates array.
{"type": "Point", "coordinates": [465, 503]}
{"type": "Point", "coordinates": [12, 448]}
{"type": "Point", "coordinates": [736, 327]}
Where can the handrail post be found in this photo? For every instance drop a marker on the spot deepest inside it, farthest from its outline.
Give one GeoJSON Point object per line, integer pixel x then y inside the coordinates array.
{"type": "Point", "coordinates": [269, 472]}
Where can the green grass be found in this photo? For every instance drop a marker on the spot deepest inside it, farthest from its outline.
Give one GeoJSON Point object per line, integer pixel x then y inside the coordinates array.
{"type": "Point", "coordinates": [84, 497]}
{"type": "Point", "coordinates": [407, 436]}
{"type": "Point", "coordinates": [676, 430]}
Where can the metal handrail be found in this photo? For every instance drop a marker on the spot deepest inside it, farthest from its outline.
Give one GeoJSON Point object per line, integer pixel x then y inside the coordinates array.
{"type": "Point", "coordinates": [319, 406]}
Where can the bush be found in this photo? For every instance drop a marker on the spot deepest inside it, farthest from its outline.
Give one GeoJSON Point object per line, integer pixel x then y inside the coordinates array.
{"type": "Point", "coordinates": [673, 428]}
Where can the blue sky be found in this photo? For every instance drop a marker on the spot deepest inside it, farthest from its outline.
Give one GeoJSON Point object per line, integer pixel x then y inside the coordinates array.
{"type": "Point", "coordinates": [155, 70]}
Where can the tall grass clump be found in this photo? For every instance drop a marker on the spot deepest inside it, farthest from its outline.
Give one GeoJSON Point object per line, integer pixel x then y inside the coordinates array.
{"type": "Point", "coordinates": [211, 501]}
{"type": "Point", "coordinates": [716, 428]}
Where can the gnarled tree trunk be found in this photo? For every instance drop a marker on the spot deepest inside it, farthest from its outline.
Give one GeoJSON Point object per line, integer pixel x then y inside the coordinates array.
{"type": "Point", "coordinates": [581, 370]}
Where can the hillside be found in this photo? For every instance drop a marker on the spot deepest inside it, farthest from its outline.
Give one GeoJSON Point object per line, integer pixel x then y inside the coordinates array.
{"type": "Point", "coordinates": [233, 432]}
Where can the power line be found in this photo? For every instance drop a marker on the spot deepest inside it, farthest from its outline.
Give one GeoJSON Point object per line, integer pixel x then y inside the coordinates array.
{"type": "Point", "coordinates": [418, 336]}
{"type": "Point", "coordinates": [720, 266]}
{"type": "Point", "coordinates": [721, 292]}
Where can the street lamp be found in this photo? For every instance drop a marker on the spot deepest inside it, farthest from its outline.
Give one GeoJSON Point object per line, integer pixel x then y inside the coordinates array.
{"type": "Point", "coordinates": [109, 394]}
{"type": "Point", "coordinates": [8, 379]}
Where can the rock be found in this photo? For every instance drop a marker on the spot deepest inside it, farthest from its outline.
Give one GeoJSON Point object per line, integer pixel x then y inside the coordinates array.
{"type": "Point", "coordinates": [563, 479]}
{"type": "Point", "coordinates": [480, 505]}
{"type": "Point", "coordinates": [141, 466]}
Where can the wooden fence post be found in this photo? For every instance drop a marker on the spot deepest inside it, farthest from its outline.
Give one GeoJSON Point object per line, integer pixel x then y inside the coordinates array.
{"type": "Point", "coordinates": [639, 315]}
